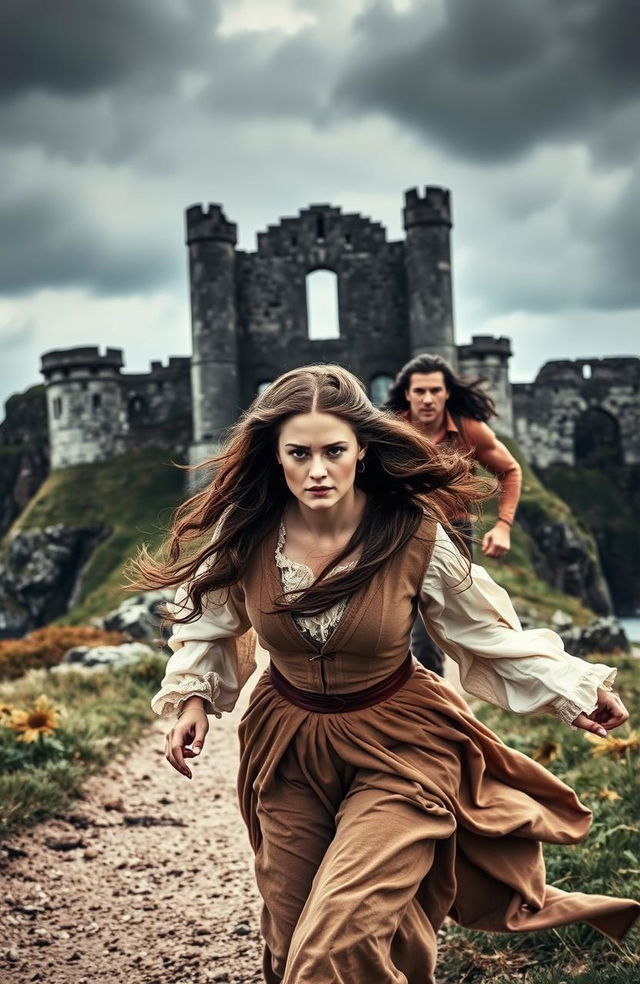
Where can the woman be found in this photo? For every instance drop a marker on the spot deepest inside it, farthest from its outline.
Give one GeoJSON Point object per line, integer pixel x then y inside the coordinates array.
{"type": "Point", "coordinates": [376, 803]}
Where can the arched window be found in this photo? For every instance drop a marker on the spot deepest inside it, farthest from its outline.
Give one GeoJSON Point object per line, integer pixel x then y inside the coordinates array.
{"type": "Point", "coordinates": [596, 439]}
{"type": "Point", "coordinates": [137, 409]}
{"type": "Point", "coordinates": [322, 305]}
{"type": "Point", "coordinates": [379, 388]}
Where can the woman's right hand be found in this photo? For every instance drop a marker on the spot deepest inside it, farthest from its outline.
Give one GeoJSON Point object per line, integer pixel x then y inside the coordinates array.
{"type": "Point", "coordinates": [186, 738]}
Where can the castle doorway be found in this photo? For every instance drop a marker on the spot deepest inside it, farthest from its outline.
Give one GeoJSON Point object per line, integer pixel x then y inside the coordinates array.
{"type": "Point", "coordinates": [597, 441]}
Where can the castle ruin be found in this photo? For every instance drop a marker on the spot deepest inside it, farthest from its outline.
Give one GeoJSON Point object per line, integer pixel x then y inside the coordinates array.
{"type": "Point", "coordinates": [250, 322]}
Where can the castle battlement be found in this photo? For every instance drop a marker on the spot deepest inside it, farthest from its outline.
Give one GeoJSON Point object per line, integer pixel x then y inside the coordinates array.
{"type": "Point", "coordinates": [483, 346]}
{"type": "Point", "coordinates": [85, 359]}
{"type": "Point", "coordinates": [210, 223]}
{"type": "Point", "coordinates": [318, 227]}
{"type": "Point", "coordinates": [432, 208]}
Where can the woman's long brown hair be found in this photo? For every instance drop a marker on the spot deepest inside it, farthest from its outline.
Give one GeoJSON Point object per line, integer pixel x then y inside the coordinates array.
{"type": "Point", "coordinates": [405, 478]}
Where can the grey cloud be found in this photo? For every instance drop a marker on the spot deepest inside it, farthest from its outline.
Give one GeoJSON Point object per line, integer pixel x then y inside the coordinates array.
{"type": "Point", "coordinates": [77, 47]}
{"type": "Point", "coordinates": [494, 78]}
{"type": "Point", "coordinates": [272, 75]}
{"type": "Point", "coordinates": [50, 243]}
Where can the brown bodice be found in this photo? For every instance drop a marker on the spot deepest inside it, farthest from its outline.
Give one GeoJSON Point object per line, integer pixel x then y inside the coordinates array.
{"type": "Point", "coordinates": [371, 639]}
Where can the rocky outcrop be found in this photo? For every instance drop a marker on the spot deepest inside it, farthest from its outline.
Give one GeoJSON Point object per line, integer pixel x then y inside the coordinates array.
{"type": "Point", "coordinates": [105, 657]}
{"type": "Point", "coordinates": [139, 616]}
{"type": "Point", "coordinates": [39, 572]}
{"type": "Point", "coordinates": [24, 452]}
{"type": "Point", "coordinates": [565, 557]}
{"type": "Point", "coordinates": [605, 635]}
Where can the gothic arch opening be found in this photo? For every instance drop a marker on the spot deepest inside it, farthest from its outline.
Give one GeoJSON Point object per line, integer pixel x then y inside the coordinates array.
{"type": "Point", "coordinates": [596, 439]}
{"type": "Point", "coordinates": [323, 320]}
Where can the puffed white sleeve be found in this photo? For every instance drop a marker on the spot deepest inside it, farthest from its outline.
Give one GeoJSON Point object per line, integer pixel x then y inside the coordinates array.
{"type": "Point", "coordinates": [472, 619]}
{"type": "Point", "coordinates": [213, 656]}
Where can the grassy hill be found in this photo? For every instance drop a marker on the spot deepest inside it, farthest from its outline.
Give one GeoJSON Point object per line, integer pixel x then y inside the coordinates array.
{"type": "Point", "coordinates": [133, 494]}
{"type": "Point", "coordinates": [516, 572]}
{"type": "Point", "coordinates": [606, 503]}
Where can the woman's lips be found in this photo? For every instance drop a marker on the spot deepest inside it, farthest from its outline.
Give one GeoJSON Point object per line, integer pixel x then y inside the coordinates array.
{"type": "Point", "coordinates": [320, 490]}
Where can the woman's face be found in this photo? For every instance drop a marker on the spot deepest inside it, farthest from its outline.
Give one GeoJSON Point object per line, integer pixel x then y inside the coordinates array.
{"type": "Point", "coordinates": [318, 453]}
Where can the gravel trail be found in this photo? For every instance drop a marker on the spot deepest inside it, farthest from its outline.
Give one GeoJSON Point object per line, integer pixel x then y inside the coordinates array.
{"type": "Point", "coordinates": [148, 878]}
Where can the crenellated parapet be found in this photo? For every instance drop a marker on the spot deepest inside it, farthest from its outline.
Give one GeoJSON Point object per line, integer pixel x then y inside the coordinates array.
{"type": "Point", "coordinates": [87, 420]}
{"type": "Point", "coordinates": [323, 229]}
{"type": "Point", "coordinates": [210, 223]}
{"type": "Point", "coordinates": [487, 357]}
{"type": "Point", "coordinates": [433, 208]}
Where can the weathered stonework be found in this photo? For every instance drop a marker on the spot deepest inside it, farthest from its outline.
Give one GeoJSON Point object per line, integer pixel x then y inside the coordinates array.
{"type": "Point", "coordinates": [580, 412]}
{"type": "Point", "coordinates": [249, 310]}
{"type": "Point", "coordinates": [95, 412]}
{"type": "Point", "coordinates": [487, 358]}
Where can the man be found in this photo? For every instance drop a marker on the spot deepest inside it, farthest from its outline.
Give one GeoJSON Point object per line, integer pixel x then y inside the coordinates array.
{"type": "Point", "coordinates": [445, 409]}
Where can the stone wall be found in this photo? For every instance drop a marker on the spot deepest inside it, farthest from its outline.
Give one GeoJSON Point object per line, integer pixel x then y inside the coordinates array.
{"type": "Point", "coordinates": [580, 412]}
{"type": "Point", "coordinates": [95, 412]}
{"type": "Point", "coordinates": [249, 309]}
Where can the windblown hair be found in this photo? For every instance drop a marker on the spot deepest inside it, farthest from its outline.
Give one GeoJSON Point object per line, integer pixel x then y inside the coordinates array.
{"type": "Point", "coordinates": [405, 478]}
{"type": "Point", "coordinates": [466, 397]}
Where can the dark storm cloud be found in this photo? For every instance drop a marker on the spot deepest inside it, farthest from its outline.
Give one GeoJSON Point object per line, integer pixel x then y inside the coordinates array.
{"type": "Point", "coordinates": [76, 47]}
{"type": "Point", "coordinates": [494, 78]}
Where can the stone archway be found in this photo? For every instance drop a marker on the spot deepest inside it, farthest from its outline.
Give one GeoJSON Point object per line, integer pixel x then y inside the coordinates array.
{"type": "Point", "coordinates": [596, 440]}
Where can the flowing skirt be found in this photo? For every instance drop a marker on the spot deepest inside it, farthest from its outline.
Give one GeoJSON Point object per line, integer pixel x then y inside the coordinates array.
{"type": "Point", "coordinates": [370, 827]}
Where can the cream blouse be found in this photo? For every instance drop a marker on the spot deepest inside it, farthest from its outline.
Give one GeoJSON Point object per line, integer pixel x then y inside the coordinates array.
{"type": "Point", "coordinates": [469, 616]}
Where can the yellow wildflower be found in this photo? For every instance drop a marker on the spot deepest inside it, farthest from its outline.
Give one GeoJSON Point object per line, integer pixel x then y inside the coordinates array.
{"type": "Point", "coordinates": [609, 794]}
{"type": "Point", "coordinates": [41, 719]}
{"type": "Point", "coordinates": [547, 752]}
{"type": "Point", "coordinates": [616, 747]}
{"type": "Point", "coordinates": [6, 711]}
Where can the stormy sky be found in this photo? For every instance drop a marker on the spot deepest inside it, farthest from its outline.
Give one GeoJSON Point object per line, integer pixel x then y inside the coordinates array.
{"type": "Point", "coordinates": [117, 114]}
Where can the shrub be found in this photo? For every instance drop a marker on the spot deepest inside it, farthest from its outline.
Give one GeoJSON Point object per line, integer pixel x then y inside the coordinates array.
{"type": "Point", "coordinates": [45, 647]}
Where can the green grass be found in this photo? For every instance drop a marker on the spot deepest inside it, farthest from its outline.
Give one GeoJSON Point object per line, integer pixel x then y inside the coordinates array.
{"type": "Point", "coordinates": [516, 572]}
{"type": "Point", "coordinates": [103, 712]}
{"type": "Point", "coordinates": [607, 862]}
{"type": "Point", "coordinates": [133, 495]}
{"type": "Point", "coordinates": [606, 503]}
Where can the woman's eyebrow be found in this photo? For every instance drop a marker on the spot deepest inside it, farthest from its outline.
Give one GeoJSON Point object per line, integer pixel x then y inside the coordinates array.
{"type": "Point", "coordinates": [306, 447]}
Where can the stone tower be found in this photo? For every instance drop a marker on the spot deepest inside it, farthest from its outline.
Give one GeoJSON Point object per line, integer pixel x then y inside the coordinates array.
{"type": "Point", "coordinates": [250, 310]}
{"type": "Point", "coordinates": [87, 419]}
{"type": "Point", "coordinates": [211, 240]}
{"type": "Point", "coordinates": [427, 222]}
{"type": "Point", "coordinates": [488, 357]}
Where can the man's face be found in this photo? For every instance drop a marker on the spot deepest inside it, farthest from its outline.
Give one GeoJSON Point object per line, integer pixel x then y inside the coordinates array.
{"type": "Point", "coordinates": [427, 396]}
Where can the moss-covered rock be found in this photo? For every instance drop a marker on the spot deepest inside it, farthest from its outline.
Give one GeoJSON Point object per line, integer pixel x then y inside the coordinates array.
{"type": "Point", "coordinates": [132, 495]}
{"type": "Point", "coordinates": [553, 562]}
{"type": "Point", "coordinates": [606, 503]}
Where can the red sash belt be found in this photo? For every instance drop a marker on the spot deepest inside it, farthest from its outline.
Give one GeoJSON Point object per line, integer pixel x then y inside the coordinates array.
{"type": "Point", "coordinates": [340, 703]}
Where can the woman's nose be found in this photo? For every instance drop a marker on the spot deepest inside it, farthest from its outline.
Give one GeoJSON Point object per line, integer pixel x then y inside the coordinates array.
{"type": "Point", "coordinates": [318, 467]}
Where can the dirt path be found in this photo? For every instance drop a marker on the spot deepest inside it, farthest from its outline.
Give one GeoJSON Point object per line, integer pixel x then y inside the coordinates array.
{"type": "Point", "coordinates": [149, 879]}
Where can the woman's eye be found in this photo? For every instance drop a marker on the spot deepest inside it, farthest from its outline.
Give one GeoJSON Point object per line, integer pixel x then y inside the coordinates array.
{"type": "Point", "coordinates": [335, 452]}
{"type": "Point", "coordinates": [298, 453]}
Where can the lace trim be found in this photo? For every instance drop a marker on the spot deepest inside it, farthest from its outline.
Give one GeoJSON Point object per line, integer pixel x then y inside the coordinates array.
{"type": "Point", "coordinates": [586, 698]}
{"type": "Point", "coordinates": [296, 576]}
{"type": "Point", "coordinates": [170, 700]}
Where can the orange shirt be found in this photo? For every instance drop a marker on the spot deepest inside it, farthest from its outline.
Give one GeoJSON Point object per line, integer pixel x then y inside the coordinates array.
{"type": "Point", "coordinates": [488, 451]}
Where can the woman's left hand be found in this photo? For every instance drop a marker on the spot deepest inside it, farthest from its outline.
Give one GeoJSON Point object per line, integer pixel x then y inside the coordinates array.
{"type": "Point", "coordinates": [609, 714]}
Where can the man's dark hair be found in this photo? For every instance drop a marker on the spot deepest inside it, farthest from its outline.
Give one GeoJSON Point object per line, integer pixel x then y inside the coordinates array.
{"type": "Point", "coordinates": [467, 398]}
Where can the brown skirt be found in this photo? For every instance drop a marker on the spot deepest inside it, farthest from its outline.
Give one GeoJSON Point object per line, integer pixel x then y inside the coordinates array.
{"type": "Point", "coordinates": [466, 813]}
